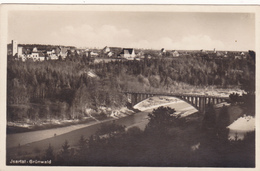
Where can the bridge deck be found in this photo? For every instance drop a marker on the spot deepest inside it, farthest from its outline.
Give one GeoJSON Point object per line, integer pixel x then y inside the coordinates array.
{"type": "Point", "coordinates": [175, 94]}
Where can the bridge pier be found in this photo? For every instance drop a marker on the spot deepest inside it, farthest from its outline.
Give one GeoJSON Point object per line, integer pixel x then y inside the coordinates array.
{"type": "Point", "coordinates": [196, 101]}
{"type": "Point", "coordinates": [134, 99]}
{"type": "Point", "coordinates": [138, 98]}
{"type": "Point", "coordinates": [215, 101]}
{"type": "Point", "coordinates": [202, 103]}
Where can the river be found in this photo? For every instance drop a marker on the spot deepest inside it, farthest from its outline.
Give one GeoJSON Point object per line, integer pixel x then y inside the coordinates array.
{"type": "Point", "coordinates": [73, 133]}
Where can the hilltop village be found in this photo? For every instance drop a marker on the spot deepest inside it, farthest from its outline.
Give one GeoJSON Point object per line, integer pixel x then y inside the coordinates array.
{"type": "Point", "coordinates": [36, 52]}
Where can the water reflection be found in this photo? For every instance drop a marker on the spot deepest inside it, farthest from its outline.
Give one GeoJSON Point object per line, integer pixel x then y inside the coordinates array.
{"type": "Point", "coordinates": [240, 127]}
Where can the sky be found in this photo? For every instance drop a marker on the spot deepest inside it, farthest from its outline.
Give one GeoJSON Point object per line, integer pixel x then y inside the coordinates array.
{"type": "Point", "coordinates": [156, 30]}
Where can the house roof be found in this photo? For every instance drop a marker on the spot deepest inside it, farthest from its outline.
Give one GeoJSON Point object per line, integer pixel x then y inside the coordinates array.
{"type": "Point", "coordinates": [127, 51]}
{"type": "Point", "coordinates": [41, 54]}
{"type": "Point", "coordinates": [35, 49]}
{"type": "Point", "coordinates": [105, 48]}
{"type": "Point", "coordinates": [64, 50]}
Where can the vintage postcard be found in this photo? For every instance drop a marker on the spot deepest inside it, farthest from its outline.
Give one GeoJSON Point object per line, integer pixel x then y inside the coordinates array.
{"type": "Point", "coordinates": [129, 86]}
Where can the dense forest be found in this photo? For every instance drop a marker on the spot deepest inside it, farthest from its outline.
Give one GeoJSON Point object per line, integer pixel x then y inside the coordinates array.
{"type": "Point", "coordinates": [64, 89]}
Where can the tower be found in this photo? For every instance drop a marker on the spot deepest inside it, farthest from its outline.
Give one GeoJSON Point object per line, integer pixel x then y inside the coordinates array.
{"type": "Point", "coordinates": [14, 47]}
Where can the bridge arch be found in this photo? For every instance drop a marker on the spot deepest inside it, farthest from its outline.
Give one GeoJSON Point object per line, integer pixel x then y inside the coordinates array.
{"type": "Point", "coordinates": [197, 101]}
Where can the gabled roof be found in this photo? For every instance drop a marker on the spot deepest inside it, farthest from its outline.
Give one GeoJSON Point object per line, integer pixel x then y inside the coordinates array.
{"type": "Point", "coordinates": [127, 51]}
{"type": "Point", "coordinates": [64, 50]}
{"type": "Point", "coordinates": [105, 48]}
{"type": "Point", "coordinates": [35, 49]}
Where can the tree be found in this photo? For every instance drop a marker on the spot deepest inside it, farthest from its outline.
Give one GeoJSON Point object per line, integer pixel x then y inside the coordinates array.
{"type": "Point", "coordinates": [82, 143]}
{"type": "Point", "coordinates": [65, 154]}
{"type": "Point", "coordinates": [65, 148]}
{"type": "Point", "coordinates": [49, 154]}
{"type": "Point", "coordinates": [160, 120]}
{"type": "Point", "coordinates": [110, 130]}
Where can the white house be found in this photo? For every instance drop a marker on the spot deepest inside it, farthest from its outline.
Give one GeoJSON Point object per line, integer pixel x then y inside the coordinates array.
{"type": "Point", "coordinates": [53, 56]}
{"type": "Point", "coordinates": [49, 52]}
{"type": "Point", "coordinates": [34, 55]}
{"type": "Point", "coordinates": [128, 53]}
{"type": "Point", "coordinates": [93, 54]}
{"type": "Point", "coordinates": [20, 51]}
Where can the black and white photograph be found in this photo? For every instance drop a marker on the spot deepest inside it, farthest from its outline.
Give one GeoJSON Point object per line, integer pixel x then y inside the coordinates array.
{"type": "Point", "coordinates": [130, 86]}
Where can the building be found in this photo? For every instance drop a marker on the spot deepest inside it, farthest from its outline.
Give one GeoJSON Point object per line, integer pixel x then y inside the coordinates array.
{"type": "Point", "coordinates": [238, 57]}
{"type": "Point", "coordinates": [219, 54]}
{"type": "Point", "coordinates": [115, 52]}
{"type": "Point", "coordinates": [41, 56]}
{"type": "Point", "coordinates": [141, 54]}
{"type": "Point", "coordinates": [106, 49]}
{"type": "Point", "coordinates": [36, 55]}
{"type": "Point", "coordinates": [163, 51]}
{"type": "Point", "coordinates": [175, 53]}
{"type": "Point", "coordinates": [62, 52]}
{"type": "Point", "coordinates": [93, 54]}
{"type": "Point", "coordinates": [128, 53]}
{"type": "Point", "coordinates": [20, 51]}
{"type": "Point", "coordinates": [35, 49]}
{"type": "Point", "coordinates": [20, 54]}
{"type": "Point", "coordinates": [14, 47]}
{"type": "Point", "coordinates": [110, 54]}
{"type": "Point", "coordinates": [52, 55]}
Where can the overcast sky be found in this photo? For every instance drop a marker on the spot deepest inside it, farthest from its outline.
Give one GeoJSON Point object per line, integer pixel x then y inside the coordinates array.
{"type": "Point", "coordinates": [169, 30]}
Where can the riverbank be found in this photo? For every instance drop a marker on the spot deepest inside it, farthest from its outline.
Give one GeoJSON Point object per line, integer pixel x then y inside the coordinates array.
{"type": "Point", "coordinates": [136, 119]}
{"type": "Point", "coordinates": [13, 128]}
{"type": "Point", "coordinates": [153, 102]}
{"type": "Point", "coordinates": [20, 127]}
{"type": "Point", "coordinates": [31, 144]}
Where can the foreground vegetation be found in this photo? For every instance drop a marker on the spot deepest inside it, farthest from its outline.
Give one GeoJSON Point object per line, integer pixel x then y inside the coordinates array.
{"type": "Point", "coordinates": [167, 140]}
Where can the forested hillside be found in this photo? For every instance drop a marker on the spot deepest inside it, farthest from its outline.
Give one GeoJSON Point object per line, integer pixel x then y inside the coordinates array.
{"type": "Point", "coordinates": [64, 89]}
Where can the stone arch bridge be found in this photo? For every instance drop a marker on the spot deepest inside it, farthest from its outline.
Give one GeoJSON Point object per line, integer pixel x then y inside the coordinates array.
{"type": "Point", "coordinates": [200, 102]}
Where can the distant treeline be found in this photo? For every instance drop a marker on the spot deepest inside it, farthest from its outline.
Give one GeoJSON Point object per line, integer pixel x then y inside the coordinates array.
{"type": "Point", "coordinates": [40, 46]}
{"type": "Point", "coordinates": [67, 90]}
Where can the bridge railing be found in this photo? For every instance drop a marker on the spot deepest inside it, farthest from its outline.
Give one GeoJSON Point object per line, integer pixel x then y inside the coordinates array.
{"type": "Point", "coordinates": [175, 94]}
